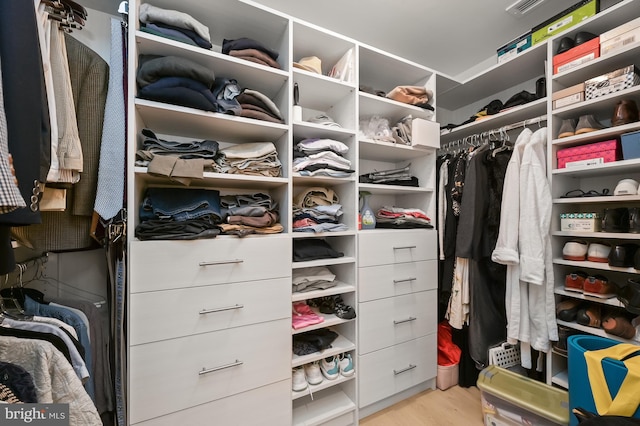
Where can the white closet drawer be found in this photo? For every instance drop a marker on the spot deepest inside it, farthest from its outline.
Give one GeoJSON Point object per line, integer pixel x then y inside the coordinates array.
{"type": "Point", "coordinates": [388, 371]}
{"type": "Point", "coordinates": [162, 265]}
{"type": "Point", "coordinates": [387, 322]}
{"type": "Point", "coordinates": [162, 315]}
{"type": "Point", "coordinates": [268, 405]}
{"type": "Point", "coordinates": [376, 282]}
{"type": "Point", "coordinates": [172, 375]}
{"type": "Point", "coordinates": [397, 246]}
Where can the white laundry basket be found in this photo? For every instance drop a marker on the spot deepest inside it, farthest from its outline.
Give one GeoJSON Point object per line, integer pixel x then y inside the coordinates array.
{"type": "Point", "coordinates": [505, 355]}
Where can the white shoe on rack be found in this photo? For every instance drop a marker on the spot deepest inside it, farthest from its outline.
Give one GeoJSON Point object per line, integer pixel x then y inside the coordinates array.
{"type": "Point", "coordinates": [312, 371]}
{"type": "Point", "coordinates": [298, 379]}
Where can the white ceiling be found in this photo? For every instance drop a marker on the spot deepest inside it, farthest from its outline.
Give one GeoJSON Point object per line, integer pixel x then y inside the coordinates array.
{"type": "Point", "coordinates": [450, 36]}
{"type": "Point", "coordinates": [453, 37]}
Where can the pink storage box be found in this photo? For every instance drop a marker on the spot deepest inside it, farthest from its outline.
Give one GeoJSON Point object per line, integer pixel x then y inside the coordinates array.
{"type": "Point", "coordinates": [607, 150]}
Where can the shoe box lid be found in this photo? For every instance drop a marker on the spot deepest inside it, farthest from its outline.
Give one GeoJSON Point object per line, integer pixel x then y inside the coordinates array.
{"type": "Point", "coordinates": [611, 82]}
{"type": "Point", "coordinates": [568, 96]}
{"type": "Point", "coordinates": [512, 392]}
{"type": "Point", "coordinates": [564, 20]}
{"type": "Point", "coordinates": [578, 55]}
{"type": "Point", "coordinates": [607, 36]}
{"type": "Point", "coordinates": [614, 44]}
{"type": "Point", "coordinates": [609, 150]}
{"type": "Point", "coordinates": [514, 47]}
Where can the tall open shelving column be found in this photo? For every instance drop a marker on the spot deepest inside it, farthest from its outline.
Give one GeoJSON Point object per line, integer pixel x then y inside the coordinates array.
{"type": "Point", "coordinates": [333, 401]}
{"type": "Point", "coordinates": [397, 268]}
{"type": "Point", "coordinates": [594, 177]}
{"type": "Point", "coordinates": [209, 320]}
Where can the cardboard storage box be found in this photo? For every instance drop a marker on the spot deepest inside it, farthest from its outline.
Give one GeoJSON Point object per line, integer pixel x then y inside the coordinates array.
{"type": "Point", "coordinates": [568, 96]}
{"type": "Point", "coordinates": [511, 399]}
{"type": "Point", "coordinates": [579, 55]}
{"type": "Point", "coordinates": [514, 47]}
{"type": "Point", "coordinates": [564, 20]}
{"type": "Point", "coordinates": [624, 35]}
{"type": "Point", "coordinates": [582, 222]}
{"type": "Point", "coordinates": [630, 145]}
{"type": "Point", "coordinates": [612, 82]}
{"type": "Point", "coordinates": [609, 151]}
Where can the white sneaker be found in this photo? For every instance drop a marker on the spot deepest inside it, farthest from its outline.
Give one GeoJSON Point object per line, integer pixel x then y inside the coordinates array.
{"type": "Point", "coordinates": [312, 371]}
{"type": "Point", "coordinates": [346, 365]}
{"type": "Point", "coordinates": [330, 368]}
{"type": "Point", "coordinates": [298, 380]}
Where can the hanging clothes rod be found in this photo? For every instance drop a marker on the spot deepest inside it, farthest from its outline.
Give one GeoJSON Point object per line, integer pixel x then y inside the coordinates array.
{"type": "Point", "coordinates": [476, 138]}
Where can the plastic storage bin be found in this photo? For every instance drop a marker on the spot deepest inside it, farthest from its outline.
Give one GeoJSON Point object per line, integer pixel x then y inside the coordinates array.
{"type": "Point", "coordinates": [580, 394]}
{"type": "Point", "coordinates": [511, 399]}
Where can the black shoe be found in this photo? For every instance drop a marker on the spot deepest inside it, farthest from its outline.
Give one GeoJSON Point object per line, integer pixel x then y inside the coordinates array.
{"type": "Point", "coordinates": [566, 43]}
{"type": "Point", "coordinates": [615, 220]}
{"type": "Point", "coordinates": [622, 255]}
{"type": "Point", "coordinates": [342, 310]}
{"type": "Point", "coordinates": [634, 220]}
{"type": "Point", "coordinates": [583, 37]}
{"type": "Point", "coordinates": [629, 295]}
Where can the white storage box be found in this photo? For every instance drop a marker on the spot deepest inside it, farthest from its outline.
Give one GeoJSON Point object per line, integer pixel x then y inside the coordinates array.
{"type": "Point", "coordinates": [582, 222]}
{"type": "Point", "coordinates": [620, 37]}
{"type": "Point", "coordinates": [425, 133]}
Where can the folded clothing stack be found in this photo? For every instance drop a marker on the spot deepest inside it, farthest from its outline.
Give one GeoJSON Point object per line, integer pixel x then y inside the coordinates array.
{"type": "Point", "coordinates": [251, 50]}
{"type": "Point", "coordinates": [252, 158]}
{"type": "Point", "coordinates": [314, 278]}
{"type": "Point", "coordinates": [325, 157]}
{"type": "Point", "coordinates": [397, 217]}
{"type": "Point", "coordinates": [399, 176]}
{"type": "Point", "coordinates": [249, 214]}
{"type": "Point", "coordinates": [257, 105]}
{"type": "Point", "coordinates": [174, 25]}
{"type": "Point", "coordinates": [180, 81]}
{"type": "Point", "coordinates": [179, 214]}
{"type": "Point", "coordinates": [317, 209]}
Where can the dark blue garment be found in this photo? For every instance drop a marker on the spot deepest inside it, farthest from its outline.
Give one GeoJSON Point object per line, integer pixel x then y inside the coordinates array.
{"type": "Point", "coordinates": [180, 204]}
{"type": "Point", "coordinates": [187, 32]}
{"type": "Point", "coordinates": [192, 149]}
{"type": "Point", "coordinates": [31, 307]}
{"type": "Point", "coordinates": [247, 43]}
{"type": "Point", "coordinates": [167, 33]}
{"type": "Point", "coordinates": [180, 91]}
{"type": "Point", "coordinates": [19, 381]}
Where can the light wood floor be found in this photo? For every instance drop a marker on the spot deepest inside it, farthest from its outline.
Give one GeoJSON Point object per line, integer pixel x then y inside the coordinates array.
{"type": "Point", "coordinates": [455, 406]}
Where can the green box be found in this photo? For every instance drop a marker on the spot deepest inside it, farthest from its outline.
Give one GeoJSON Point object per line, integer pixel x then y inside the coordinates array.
{"type": "Point", "coordinates": [565, 20]}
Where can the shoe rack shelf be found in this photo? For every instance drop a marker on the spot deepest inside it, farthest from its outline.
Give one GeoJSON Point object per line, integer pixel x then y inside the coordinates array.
{"type": "Point", "coordinates": [592, 265]}
{"type": "Point", "coordinates": [340, 345]}
{"type": "Point", "coordinates": [595, 331]}
{"type": "Point", "coordinates": [311, 389]}
{"type": "Point", "coordinates": [587, 178]}
{"type": "Point", "coordinates": [610, 302]}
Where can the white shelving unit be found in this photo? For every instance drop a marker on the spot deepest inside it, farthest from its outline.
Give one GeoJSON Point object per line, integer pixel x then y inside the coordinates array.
{"type": "Point", "coordinates": [595, 177]}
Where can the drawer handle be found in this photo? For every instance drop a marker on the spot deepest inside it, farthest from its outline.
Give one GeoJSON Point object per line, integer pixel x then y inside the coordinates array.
{"type": "Point", "coordinates": [404, 320]}
{"type": "Point", "coordinates": [404, 280]}
{"type": "Point", "coordinates": [410, 367]}
{"type": "Point", "coordinates": [404, 247]}
{"type": "Point", "coordinates": [222, 367]}
{"type": "Point", "coordinates": [226, 308]}
{"type": "Point", "coordinates": [220, 262]}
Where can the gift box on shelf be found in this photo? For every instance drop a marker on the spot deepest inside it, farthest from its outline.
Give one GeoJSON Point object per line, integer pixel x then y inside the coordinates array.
{"type": "Point", "coordinates": [612, 82]}
{"type": "Point", "coordinates": [568, 96]}
{"type": "Point", "coordinates": [582, 222]}
{"type": "Point", "coordinates": [578, 55]}
{"type": "Point", "coordinates": [608, 151]}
